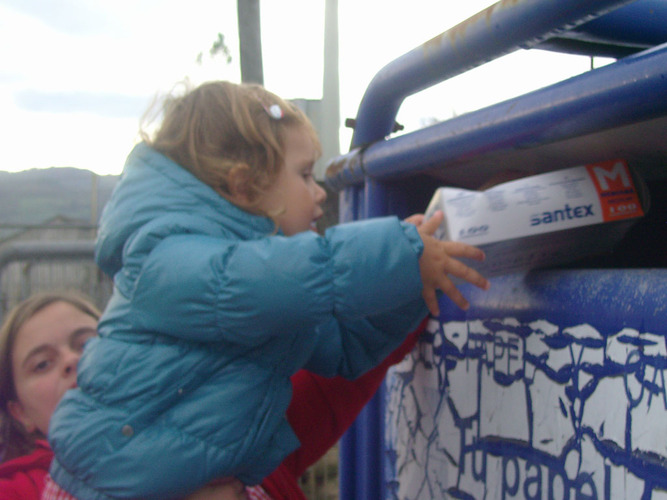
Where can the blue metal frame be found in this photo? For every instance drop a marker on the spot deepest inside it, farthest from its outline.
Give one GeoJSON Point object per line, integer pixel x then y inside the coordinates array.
{"type": "Point", "coordinates": [608, 97]}
{"type": "Point", "coordinates": [636, 27]}
{"type": "Point", "coordinates": [614, 96]}
{"type": "Point", "coordinates": [499, 30]}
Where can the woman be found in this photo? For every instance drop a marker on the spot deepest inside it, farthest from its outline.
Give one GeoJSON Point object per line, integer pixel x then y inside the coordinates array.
{"type": "Point", "coordinates": [40, 344]}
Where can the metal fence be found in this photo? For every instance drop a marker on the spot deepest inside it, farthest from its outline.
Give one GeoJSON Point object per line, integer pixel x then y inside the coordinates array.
{"type": "Point", "coordinates": [27, 267]}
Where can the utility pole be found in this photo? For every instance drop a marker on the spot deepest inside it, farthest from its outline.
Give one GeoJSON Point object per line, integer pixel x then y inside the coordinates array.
{"type": "Point", "coordinates": [330, 124]}
{"type": "Point", "coordinates": [93, 203]}
{"type": "Point", "coordinates": [250, 41]}
{"type": "Point", "coordinates": [324, 113]}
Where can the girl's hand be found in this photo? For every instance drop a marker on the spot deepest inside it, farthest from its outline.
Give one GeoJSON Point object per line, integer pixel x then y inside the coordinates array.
{"type": "Point", "coordinates": [436, 263]}
{"type": "Point", "coordinates": [415, 219]}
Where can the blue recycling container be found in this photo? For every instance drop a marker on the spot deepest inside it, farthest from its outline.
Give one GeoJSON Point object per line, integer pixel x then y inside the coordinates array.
{"type": "Point", "coordinates": [553, 383]}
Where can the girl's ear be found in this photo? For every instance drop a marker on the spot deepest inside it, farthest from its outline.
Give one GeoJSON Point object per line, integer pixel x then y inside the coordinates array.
{"type": "Point", "coordinates": [238, 182]}
{"type": "Point", "coordinates": [18, 413]}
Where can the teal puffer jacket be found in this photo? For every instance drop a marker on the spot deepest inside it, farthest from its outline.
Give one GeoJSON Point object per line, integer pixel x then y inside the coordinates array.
{"type": "Point", "coordinates": [211, 314]}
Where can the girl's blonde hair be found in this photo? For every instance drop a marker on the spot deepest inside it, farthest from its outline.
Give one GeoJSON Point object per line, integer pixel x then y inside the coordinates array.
{"type": "Point", "coordinates": [220, 126]}
{"type": "Point", "coordinates": [14, 440]}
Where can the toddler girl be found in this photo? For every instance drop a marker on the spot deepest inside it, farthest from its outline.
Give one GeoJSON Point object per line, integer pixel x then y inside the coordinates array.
{"type": "Point", "coordinates": [222, 292]}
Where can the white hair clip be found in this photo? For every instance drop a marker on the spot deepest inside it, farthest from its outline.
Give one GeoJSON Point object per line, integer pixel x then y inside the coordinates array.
{"type": "Point", "coordinates": [274, 111]}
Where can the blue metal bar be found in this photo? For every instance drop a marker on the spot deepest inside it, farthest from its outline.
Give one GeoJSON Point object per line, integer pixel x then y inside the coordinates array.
{"type": "Point", "coordinates": [350, 204]}
{"type": "Point", "coordinates": [622, 298]}
{"type": "Point", "coordinates": [375, 199]}
{"type": "Point", "coordinates": [347, 463]}
{"type": "Point", "coordinates": [640, 24]}
{"type": "Point", "coordinates": [502, 28]}
{"type": "Point", "coordinates": [369, 478]}
{"type": "Point", "coordinates": [605, 98]}
{"type": "Point", "coordinates": [360, 470]}
{"type": "Point", "coordinates": [625, 31]}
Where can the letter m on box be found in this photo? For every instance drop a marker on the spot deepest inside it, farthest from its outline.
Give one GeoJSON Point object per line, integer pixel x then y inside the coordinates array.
{"type": "Point", "coordinates": [616, 190]}
{"type": "Point", "coordinates": [612, 171]}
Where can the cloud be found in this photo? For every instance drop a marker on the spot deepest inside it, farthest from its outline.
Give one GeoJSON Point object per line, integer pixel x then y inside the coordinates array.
{"type": "Point", "coordinates": [66, 16]}
{"type": "Point", "coordinates": [98, 103]}
{"type": "Point", "coordinates": [8, 77]}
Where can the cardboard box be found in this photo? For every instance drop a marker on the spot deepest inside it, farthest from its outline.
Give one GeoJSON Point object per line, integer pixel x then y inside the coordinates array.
{"type": "Point", "coordinates": [546, 219]}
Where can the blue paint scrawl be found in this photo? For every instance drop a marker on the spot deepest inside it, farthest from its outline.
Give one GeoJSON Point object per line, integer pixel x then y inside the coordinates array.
{"type": "Point", "coordinates": [509, 409]}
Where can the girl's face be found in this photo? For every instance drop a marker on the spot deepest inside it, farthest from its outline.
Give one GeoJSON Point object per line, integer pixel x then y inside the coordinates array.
{"type": "Point", "coordinates": [295, 196]}
{"type": "Point", "coordinates": [44, 361]}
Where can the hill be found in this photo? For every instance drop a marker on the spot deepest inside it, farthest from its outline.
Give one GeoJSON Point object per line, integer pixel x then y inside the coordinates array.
{"type": "Point", "coordinates": [37, 195]}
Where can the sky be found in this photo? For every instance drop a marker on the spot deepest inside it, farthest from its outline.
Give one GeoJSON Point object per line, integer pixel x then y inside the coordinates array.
{"type": "Point", "coordinates": [76, 76]}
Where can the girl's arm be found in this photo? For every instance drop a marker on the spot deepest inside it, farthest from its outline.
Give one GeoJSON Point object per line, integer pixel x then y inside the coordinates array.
{"type": "Point", "coordinates": [249, 291]}
{"type": "Point", "coordinates": [350, 348]}
{"type": "Point", "coordinates": [322, 409]}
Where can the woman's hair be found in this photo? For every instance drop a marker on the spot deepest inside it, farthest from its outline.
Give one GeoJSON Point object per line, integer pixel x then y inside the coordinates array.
{"type": "Point", "coordinates": [220, 126]}
{"type": "Point", "coordinates": [14, 440]}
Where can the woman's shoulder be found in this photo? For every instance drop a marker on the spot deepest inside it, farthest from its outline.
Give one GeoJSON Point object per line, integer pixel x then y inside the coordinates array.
{"type": "Point", "coordinates": [40, 458]}
{"type": "Point", "coordinates": [23, 477]}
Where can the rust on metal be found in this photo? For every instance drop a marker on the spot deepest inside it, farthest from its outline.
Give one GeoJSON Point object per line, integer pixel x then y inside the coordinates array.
{"type": "Point", "coordinates": [458, 32]}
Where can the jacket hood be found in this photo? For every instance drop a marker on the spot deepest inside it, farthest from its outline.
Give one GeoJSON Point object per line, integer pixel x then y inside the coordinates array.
{"type": "Point", "coordinates": [152, 186]}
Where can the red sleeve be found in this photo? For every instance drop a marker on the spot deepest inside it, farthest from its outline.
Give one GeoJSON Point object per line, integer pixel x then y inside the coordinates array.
{"type": "Point", "coordinates": [322, 409]}
{"type": "Point", "coordinates": [23, 478]}
{"type": "Point", "coordinates": [281, 484]}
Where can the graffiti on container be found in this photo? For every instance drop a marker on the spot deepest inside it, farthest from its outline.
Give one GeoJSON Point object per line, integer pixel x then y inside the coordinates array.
{"type": "Point", "coordinates": [500, 409]}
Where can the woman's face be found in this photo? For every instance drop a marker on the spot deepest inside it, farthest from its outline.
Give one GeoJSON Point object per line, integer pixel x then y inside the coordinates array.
{"type": "Point", "coordinates": [44, 361]}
